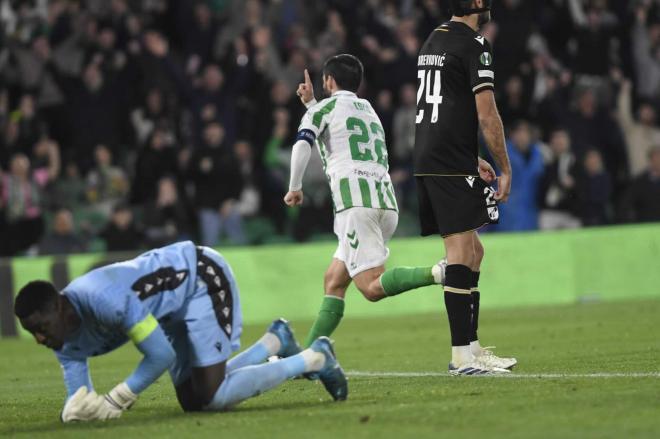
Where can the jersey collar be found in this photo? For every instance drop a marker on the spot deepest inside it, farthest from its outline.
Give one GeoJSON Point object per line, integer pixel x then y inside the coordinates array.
{"type": "Point", "coordinates": [460, 26]}
{"type": "Point", "coordinates": [343, 93]}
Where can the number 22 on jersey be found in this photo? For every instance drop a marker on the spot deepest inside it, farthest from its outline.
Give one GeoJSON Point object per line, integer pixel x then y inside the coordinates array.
{"type": "Point", "coordinates": [360, 141]}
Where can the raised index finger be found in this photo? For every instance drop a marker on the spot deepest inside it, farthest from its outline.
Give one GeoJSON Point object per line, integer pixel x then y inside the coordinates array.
{"type": "Point", "coordinates": [308, 80]}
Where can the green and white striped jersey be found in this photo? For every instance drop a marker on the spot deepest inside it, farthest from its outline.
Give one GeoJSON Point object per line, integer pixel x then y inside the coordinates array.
{"type": "Point", "coordinates": [351, 141]}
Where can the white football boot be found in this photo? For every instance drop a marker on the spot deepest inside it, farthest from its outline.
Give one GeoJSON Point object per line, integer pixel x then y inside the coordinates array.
{"type": "Point", "coordinates": [438, 272]}
{"type": "Point", "coordinates": [487, 357]}
{"type": "Point", "coordinates": [476, 367]}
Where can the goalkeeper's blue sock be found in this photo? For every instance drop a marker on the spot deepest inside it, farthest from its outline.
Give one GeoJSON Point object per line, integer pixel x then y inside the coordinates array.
{"type": "Point", "coordinates": [267, 346]}
{"type": "Point", "coordinates": [250, 381]}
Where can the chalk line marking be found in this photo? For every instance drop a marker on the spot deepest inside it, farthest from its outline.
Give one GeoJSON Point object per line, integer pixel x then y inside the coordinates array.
{"type": "Point", "coordinates": [513, 375]}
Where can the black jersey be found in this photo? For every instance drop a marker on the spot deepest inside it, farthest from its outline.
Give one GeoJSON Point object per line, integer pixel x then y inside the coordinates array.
{"type": "Point", "coordinates": [454, 64]}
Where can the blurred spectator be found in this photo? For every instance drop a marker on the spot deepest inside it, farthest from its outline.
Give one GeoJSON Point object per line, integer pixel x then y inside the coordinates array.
{"type": "Point", "coordinates": [21, 197]}
{"type": "Point", "coordinates": [200, 35]}
{"type": "Point", "coordinates": [521, 211]}
{"type": "Point", "coordinates": [642, 201]}
{"type": "Point", "coordinates": [645, 48]}
{"type": "Point", "coordinates": [154, 115]}
{"type": "Point", "coordinates": [30, 127]}
{"type": "Point", "coordinates": [403, 130]}
{"type": "Point", "coordinates": [62, 239]}
{"type": "Point", "coordinates": [514, 27]}
{"type": "Point", "coordinates": [4, 119]}
{"type": "Point", "coordinates": [401, 148]}
{"type": "Point", "coordinates": [155, 160]}
{"type": "Point", "coordinates": [592, 127]}
{"type": "Point", "coordinates": [122, 234]}
{"type": "Point", "coordinates": [276, 173]}
{"type": "Point", "coordinates": [316, 213]}
{"type": "Point", "coordinates": [279, 120]}
{"type": "Point", "coordinates": [514, 106]}
{"type": "Point", "coordinates": [384, 106]}
{"type": "Point", "coordinates": [107, 184]}
{"type": "Point", "coordinates": [594, 37]}
{"type": "Point", "coordinates": [558, 199]}
{"type": "Point", "coordinates": [10, 145]}
{"type": "Point", "coordinates": [46, 165]}
{"type": "Point", "coordinates": [166, 219]}
{"type": "Point", "coordinates": [291, 73]}
{"type": "Point", "coordinates": [70, 190]}
{"type": "Point", "coordinates": [642, 134]}
{"type": "Point", "coordinates": [551, 98]}
{"type": "Point", "coordinates": [95, 111]}
{"type": "Point", "coordinates": [594, 188]}
{"type": "Point", "coordinates": [218, 185]}
{"type": "Point", "coordinates": [333, 39]}
{"type": "Point", "coordinates": [249, 201]}
{"type": "Point", "coordinates": [211, 100]}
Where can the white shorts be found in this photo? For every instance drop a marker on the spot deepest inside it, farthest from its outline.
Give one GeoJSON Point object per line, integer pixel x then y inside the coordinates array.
{"type": "Point", "coordinates": [363, 234]}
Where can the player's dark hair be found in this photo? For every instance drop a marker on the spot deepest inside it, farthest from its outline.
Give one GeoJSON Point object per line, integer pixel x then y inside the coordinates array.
{"type": "Point", "coordinates": [38, 295]}
{"type": "Point", "coordinates": [461, 8]}
{"type": "Point", "coordinates": [347, 71]}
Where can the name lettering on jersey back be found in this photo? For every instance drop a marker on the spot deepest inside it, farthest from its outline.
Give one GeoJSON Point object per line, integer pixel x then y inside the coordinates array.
{"type": "Point", "coordinates": [431, 60]}
{"type": "Point", "coordinates": [361, 106]}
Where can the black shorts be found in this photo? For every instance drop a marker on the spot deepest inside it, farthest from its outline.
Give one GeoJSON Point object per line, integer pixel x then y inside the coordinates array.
{"type": "Point", "coordinates": [451, 205]}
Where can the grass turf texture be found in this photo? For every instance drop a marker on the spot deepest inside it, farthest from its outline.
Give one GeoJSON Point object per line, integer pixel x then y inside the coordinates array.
{"type": "Point", "coordinates": [579, 339]}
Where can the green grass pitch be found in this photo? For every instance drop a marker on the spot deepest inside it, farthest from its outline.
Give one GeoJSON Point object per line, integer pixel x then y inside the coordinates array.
{"type": "Point", "coordinates": [585, 371]}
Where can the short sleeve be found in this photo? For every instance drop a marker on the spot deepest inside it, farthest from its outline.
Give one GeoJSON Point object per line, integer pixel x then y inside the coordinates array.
{"type": "Point", "coordinates": [479, 64]}
{"type": "Point", "coordinates": [316, 120]}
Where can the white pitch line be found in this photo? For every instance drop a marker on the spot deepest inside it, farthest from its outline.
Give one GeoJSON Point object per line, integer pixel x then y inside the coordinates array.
{"type": "Point", "coordinates": [370, 374]}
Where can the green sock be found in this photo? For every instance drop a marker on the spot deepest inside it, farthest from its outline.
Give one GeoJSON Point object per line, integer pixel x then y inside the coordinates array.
{"type": "Point", "coordinates": [401, 279]}
{"type": "Point", "coordinates": [330, 314]}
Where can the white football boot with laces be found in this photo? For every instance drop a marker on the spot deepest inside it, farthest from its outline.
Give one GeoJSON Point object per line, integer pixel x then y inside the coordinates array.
{"type": "Point", "coordinates": [476, 367]}
{"type": "Point", "coordinates": [487, 357]}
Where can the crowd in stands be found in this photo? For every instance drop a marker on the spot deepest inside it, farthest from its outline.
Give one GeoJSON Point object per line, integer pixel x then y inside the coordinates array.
{"type": "Point", "coordinates": [127, 124]}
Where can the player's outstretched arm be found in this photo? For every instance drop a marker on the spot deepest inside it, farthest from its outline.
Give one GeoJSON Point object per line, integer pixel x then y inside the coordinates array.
{"type": "Point", "coordinates": [493, 130]}
{"type": "Point", "coordinates": [300, 155]}
{"type": "Point", "coordinates": [149, 338]}
{"type": "Point", "coordinates": [313, 124]}
{"type": "Point", "coordinates": [159, 355]}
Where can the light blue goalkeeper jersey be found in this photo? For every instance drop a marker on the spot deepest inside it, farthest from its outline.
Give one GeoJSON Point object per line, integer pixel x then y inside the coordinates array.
{"type": "Point", "coordinates": [112, 300]}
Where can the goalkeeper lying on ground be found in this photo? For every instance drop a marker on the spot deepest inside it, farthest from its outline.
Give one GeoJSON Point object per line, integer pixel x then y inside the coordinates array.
{"type": "Point", "coordinates": [180, 306]}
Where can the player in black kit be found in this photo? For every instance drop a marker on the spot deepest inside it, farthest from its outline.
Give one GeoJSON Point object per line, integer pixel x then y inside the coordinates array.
{"type": "Point", "coordinates": [455, 97]}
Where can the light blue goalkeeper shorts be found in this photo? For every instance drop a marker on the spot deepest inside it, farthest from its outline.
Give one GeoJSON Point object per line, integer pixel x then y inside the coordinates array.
{"type": "Point", "coordinates": [207, 329]}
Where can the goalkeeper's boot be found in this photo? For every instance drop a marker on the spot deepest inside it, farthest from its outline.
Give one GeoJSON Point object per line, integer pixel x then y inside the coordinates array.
{"type": "Point", "coordinates": [438, 272]}
{"type": "Point", "coordinates": [332, 376]}
{"type": "Point", "coordinates": [476, 367]}
{"type": "Point", "coordinates": [488, 357]}
{"type": "Point", "coordinates": [288, 344]}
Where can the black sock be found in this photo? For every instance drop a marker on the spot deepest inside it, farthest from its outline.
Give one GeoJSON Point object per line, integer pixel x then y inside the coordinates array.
{"type": "Point", "coordinates": [476, 295]}
{"type": "Point", "coordinates": [458, 302]}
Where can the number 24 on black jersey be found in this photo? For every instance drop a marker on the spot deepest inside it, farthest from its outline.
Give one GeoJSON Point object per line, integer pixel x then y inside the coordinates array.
{"type": "Point", "coordinates": [454, 64]}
